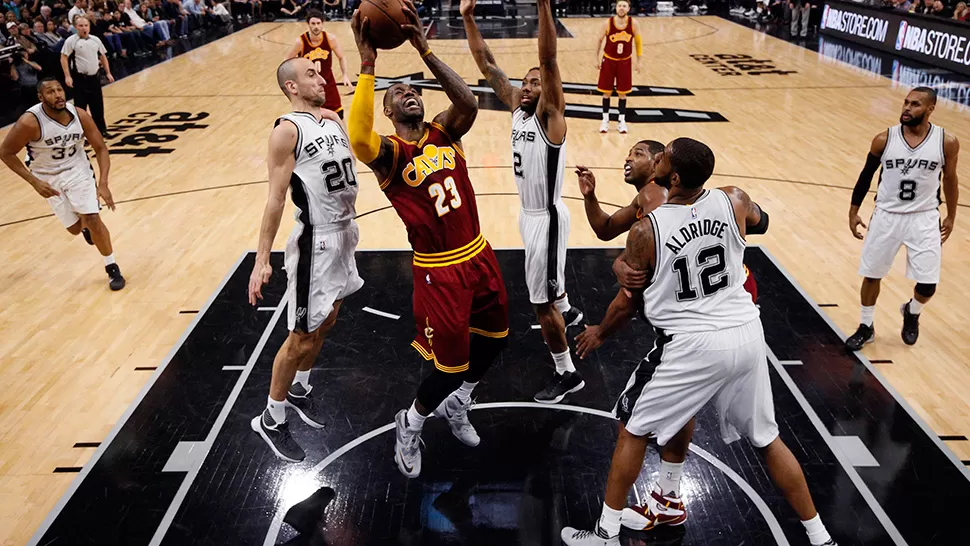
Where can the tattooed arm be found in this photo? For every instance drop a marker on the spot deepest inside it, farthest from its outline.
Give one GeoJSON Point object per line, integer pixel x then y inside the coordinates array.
{"type": "Point", "coordinates": [497, 79]}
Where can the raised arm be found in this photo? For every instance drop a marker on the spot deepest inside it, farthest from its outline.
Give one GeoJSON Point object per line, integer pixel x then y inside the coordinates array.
{"type": "Point", "coordinates": [552, 102]}
{"type": "Point", "coordinates": [873, 160]}
{"type": "Point", "coordinates": [460, 116]}
{"type": "Point", "coordinates": [280, 160]}
{"type": "Point", "coordinates": [951, 185]}
{"type": "Point", "coordinates": [26, 129]}
{"type": "Point", "coordinates": [605, 226]}
{"type": "Point", "coordinates": [375, 151]}
{"type": "Point", "coordinates": [504, 90]}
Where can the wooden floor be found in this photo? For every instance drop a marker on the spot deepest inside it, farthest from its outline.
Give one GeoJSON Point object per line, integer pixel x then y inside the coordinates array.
{"type": "Point", "coordinates": [69, 348]}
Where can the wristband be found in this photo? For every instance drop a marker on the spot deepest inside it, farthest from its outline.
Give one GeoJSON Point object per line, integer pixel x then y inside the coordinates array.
{"type": "Point", "coordinates": [426, 53]}
{"type": "Point", "coordinates": [365, 63]}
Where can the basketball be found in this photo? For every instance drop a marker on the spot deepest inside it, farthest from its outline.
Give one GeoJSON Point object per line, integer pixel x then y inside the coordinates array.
{"type": "Point", "coordinates": [386, 18]}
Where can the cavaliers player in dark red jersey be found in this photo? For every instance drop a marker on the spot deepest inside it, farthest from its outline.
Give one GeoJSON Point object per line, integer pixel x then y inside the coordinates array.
{"type": "Point", "coordinates": [621, 35]}
{"type": "Point", "coordinates": [320, 47]}
{"type": "Point", "coordinates": [460, 305]}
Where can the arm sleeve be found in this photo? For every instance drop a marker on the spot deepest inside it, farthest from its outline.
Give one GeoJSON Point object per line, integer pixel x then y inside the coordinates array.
{"type": "Point", "coordinates": [865, 179]}
{"type": "Point", "coordinates": [360, 123]}
{"type": "Point", "coordinates": [639, 44]}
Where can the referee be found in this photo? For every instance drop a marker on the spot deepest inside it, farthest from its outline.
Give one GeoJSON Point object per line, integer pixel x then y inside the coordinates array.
{"type": "Point", "coordinates": [83, 77]}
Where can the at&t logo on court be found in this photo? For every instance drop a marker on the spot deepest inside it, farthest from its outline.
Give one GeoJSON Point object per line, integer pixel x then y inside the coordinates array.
{"type": "Point", "coordinates": [901, 36]}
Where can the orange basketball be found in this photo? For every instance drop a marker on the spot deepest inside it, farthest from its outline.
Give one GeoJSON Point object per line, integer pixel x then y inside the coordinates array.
{"type": "Point", "coordinates": [386, 18]}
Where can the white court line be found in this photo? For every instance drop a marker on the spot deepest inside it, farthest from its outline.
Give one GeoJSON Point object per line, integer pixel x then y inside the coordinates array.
{"type": "Point", "coordinates": [382, 313]}
{"type": "Point", "coordinates": [536, 327]}
{"type": "Point", "coordinates": [775, 527]}
{"type": "Point", "coordinates": [790, 362]}
{"type": "Point", "coordinates": [106, 442]}
{"type": "Point", "coordinates": [267, 308]}
{"type": "Point", "coordinates": [233, 368]}
{"type": "Point", "coordinates": [210, 439]}
{"type": "Point", "coordinates": [836, 450]}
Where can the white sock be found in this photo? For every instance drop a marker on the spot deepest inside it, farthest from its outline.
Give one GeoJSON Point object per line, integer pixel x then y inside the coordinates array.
{"type": "Point", "coordinates": [669, 479]}
{"type": "Point", "coordinates": [464, 392]}
{"type": "Point", "coordinates": [415, 420]}
{"type": "Point", "coordinates": [277, 410]}
{"type": "Point", "coordinates": [606, 117]}
{"type": "Point", "coordinates": [622, 118]}
{"type": "Point", "coordinates": [109, 259]}
{"type": "Point", "coordinates": [610, 521]}
{"type": "Point", "coordinates": [562, 304]}
{"type": "Point", "coordinates": [914, 306]}
{"type": "Point", "coordinates": [564, 362]}
{"type": "Point", "coordinates": [867, 314]}
{"type": "Point", "coordinates": [815, 529]}
{"type": "Point", "coordinates": [302, 378]}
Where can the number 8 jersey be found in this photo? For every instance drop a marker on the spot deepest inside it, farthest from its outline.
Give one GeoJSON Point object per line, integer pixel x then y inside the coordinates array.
{"type": "Point", "coordinates": [698, 280]}
{"type": "Point", "coordinates": [910, 177]}
{"type": "Point", "coordinates": [324, 181]}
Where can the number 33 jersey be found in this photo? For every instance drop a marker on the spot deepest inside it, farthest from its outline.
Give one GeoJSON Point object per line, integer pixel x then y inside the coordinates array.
{"type": "Point", "coordinates": [698, 282]}
{"type": "Point", "coordinates": [910, 177]}
{"type": "Point", "coordinates": [324, 181]}
{"type": "Point", "coordinates": [430, 190]}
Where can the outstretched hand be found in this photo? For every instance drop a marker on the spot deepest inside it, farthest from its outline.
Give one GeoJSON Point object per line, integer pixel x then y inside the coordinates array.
{"type": "Point", "coordinates": [467, 8]}
{"type": "Point", "coordinates": [413, 30]}
{"type": "Point", "coordinates": [361, 25]}
{"type": "Point", "coordinates": [587, 182]}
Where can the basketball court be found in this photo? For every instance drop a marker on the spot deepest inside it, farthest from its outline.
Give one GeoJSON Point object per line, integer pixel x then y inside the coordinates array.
{"type": "Point", "coordinates": [124, 417]}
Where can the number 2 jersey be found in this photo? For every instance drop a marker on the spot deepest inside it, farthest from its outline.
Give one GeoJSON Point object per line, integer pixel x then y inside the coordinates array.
{"type": "Point", "coordinates": [699, 274]}
{"type": "Point", "coordinates": [324, 181]}
{"type": "Point", "coordinates": [910, 177]}
{"type": "Point", "coordinates": [431, 192]}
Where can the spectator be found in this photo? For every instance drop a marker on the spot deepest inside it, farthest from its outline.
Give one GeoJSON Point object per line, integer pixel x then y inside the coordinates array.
{"type": "Point", "coordinates": [79, 7]}
{"type": "Point", "coordinates": [46, 14]}
{"type": "Point", "coordinates": [961, 13]}
{"type": "Point", "coordinates": [131, 38]}
{"type": "Point", "coordinates": [220, 12]}
{"type": "Point", "coordinates": [101, 29]}
{"type": "Point", "coordinates": [9, 38]}
{"type": "Point", "coordinates": [14, 7]}
{"type": "Point", "coordinates": [42, 36]}
{"type": "Point", "coordinates": [800, 10]}
{"type": "Point", "coordinates": [148, 16]}
{"type": "Point", "coordinates": [173, 10]}
{"type": "Point", "coordinates": [63, 27]}
{"type": "Point", "coordinates": [83, 77]}
{"type": "Point", "coordinates": [28, 72]}
{"type": "Point", "coordinates": [146, 28]}
{"type": "Point", "coordinates": [292, 8]}
{"type": "Point", "coordinates": [14, 30]}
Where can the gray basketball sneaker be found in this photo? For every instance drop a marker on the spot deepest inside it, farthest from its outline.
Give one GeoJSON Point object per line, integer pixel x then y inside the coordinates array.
{"type": "Point", "coordinates": [305, 405]}
{"type": "Point", "coordinates": [277, 436]}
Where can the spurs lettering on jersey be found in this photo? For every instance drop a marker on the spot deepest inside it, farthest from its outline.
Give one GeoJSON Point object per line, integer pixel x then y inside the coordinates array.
{"type": "Point", "coordinates": [698, 279]}
{"type": "Point", "coordinates": [910, 177]}
{"type": "Point", "coordinates": [60, 148]}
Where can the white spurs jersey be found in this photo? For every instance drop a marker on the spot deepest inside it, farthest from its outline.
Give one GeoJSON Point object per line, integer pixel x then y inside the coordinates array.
{"type": "Point", "coordinates": [698, 281]}
{"type": "Point", "coordinates": [537, 163]}
{"type": "Point", "coordinates": [910, 177]}
{"type": "Point", "coordinates": [324, 181]}
{"type": "Point", "coordinates": [60, 147]}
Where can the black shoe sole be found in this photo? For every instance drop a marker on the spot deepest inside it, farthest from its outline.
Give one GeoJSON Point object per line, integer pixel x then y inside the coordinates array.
{"type": "Point", "coordinates": [562, 396]}
{"type": "Point", "coordinates": [258, 429]}
{"type": "Point", "coordinates": [116, 286]}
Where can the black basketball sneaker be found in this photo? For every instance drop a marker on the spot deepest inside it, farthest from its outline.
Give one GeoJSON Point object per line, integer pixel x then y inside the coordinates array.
{"type": "Point", "coordinates": [910, 331]}
{"type": "Point", "coordinates": [305, 404]}
{"type": "Point", "coordinates": [87, 236]}
{"type": "Point", "coordinates": [561, 385]}
{"type": "Point", "coordinates": [115, 280]}
{"type": "Point", "coordinates": [864, 335]}
{"type": "Point", "coordinates": [572, 317]}
{"type": "Point", "coordinates": [278, 437]}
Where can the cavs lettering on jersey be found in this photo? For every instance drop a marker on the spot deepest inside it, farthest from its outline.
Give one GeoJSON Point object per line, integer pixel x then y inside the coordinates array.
{"type": "Point", "coordinates": [324, 181]}
{"type": "Point", "coordinates": [321, 55]}
{"type": "Point", "coordinates": [60, 147]}
{"type": "Point", "coordinates": [698, 279]}
{"type": "Point", "coordinates": [910, 177]}
{"type": "Point", "coordinates": [619, 41]}
{"type": "Point", "coordinates": [537, 163]}
{"type": "Point", "coordinates": [430, 190]}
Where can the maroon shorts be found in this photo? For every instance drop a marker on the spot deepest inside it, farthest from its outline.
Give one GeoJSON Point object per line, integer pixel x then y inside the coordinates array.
{"type": "Point", "coordinates": [453, 301]}
{"type": "Point", "coordinates": [618, 74]}
{"type": "Point", "coordinates": [750, 285]}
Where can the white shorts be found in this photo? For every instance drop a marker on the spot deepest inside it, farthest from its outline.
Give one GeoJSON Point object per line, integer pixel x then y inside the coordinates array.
{"type": "Point", "coordinates": [79, 193]}
{"type": "Point", "coordinates": [918, 231]}
{"type": "Point", "coordinates": [320, 270]}
{"type": "Point", "coordinates": [545, 252]}
{"type": "Point", "coordinates": [684, 372]}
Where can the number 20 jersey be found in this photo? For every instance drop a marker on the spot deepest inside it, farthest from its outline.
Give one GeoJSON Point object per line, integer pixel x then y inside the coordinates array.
{"type": "Point", "coordinates": [324, 181]}
{"type": "Point", "coordinates": [910, 177]}
{"type": "Point", "coordinates": [698, 279]}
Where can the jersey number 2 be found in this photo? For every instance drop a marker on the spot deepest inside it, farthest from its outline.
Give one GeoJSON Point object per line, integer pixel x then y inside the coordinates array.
{"type": "Point", "coordinates": [439, 194]}
{"type": "Point", "coordinates": [517, 164]}
{"type": "Point", "coordinates": [712, 275]}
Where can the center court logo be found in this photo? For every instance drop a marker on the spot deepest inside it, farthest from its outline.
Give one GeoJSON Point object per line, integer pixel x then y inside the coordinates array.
{"type": "Point", "coordinates": [901, 36]}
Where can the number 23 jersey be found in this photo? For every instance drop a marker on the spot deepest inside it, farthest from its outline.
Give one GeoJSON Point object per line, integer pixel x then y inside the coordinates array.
{"type": "Point", "coordinates": [699, 275]}
{"type": "Point", "coordinates": [910, 177]}
{"type": "Point", "coordinates": [429, 187]}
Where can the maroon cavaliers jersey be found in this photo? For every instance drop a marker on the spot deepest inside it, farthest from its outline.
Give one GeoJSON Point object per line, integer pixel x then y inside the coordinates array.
{"type": "Point", "coordinates": [430, 189]}
{"type": "Point", "coordinates": [619, 41]}
{"type": "Point", "coordinates": [322, 57]}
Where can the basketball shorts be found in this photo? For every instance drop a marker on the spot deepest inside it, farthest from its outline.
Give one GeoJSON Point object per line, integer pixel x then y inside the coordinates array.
{"type": "Point", "coordinates": [454, 301]}
{"type": "Point", "coordinates": [919, 232]}
{"type": "Point", "coordinates": [545, 234]}
{"type": "Point", "coordinates": [320, 270]}
{"type": "Point", "coordinates": [684, 372]}
{"type": "Point", "coordinates": [616, 74]}
{"type": "Point", "coordinates": [78, 193]}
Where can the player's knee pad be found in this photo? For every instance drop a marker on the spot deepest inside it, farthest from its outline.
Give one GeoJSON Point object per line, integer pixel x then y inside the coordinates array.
{"type": "Point", "coordinates": [925, 290]}
{"type": "Point", "coordinates": [437, 386]}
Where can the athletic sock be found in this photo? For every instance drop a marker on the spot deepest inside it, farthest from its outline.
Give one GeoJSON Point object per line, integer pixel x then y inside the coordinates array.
{"type": "Point", "coordinates": [415, 420]}
{"type": "Point", "coordinates": [277, 410]}
{"type": "Point", "coordinates": [303, 378]}
{"type": "Point", "coordinates": [868, 312]}
{"type": "Point", "coordinates": [815, 529]}
{"type": "Point", "coordinates": [622, 109]}
{"type": "Point", "coordinates": [464, 392]}
{"type": "Point", "coordinates": [669, 479]}
{"type": "Point", "coordinates": [610, 521]}
{"type": "Point", "coordinates": [915, 307]}
{"type": "Point", "coordinates": [606, 109]}
{"type": "Point", "coordinates": [109, 259]}
{"type": "Point", "coordinates": [564, 362]}
{"type": "Point", "coordinates": [562, 304]}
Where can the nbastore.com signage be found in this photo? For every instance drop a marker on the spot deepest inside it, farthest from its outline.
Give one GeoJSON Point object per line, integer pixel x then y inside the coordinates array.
{"type": "Point", "coordinates": [935, 41]}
